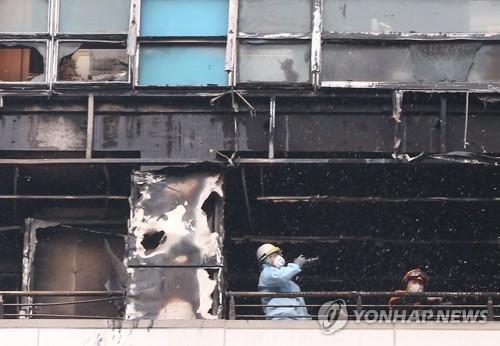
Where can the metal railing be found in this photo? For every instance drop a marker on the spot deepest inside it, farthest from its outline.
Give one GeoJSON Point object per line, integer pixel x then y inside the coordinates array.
{"type": "Point", "coordinates": [248, 305]}
{"type": "Point", "coordinates": [29, 309]}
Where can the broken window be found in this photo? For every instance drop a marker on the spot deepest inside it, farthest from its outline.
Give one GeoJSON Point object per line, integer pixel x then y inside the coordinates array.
{"type": "Point", "coordinates": [196, 57]}
{"type": "Point", "coordinates": [25, 60]}
{"type": "Point", "coordinates": [94, 16]}
{"type": "Point", "coordinates": [22, 62]}
{"type": "Point", "coordinates": [92, 62]}
{"type": "Point", "coordinates": [24, 16]}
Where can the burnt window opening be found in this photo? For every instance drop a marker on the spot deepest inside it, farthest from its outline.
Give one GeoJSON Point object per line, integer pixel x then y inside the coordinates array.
{"type": "Point", "coordinates": [77, 259]}
{"type": "Point", "coordinates": [368, 224]}
{"type": "Point", "coordinates": [21, 63]}
{"type": "Point", "coordinates": [11, 240]}
{"type": "Point", "coordinates": [92, 62]}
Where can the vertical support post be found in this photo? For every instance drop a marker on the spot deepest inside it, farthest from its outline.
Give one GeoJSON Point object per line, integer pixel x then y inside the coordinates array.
{"type": "Point", "coordinates": [490, 308]}
{"type": "Point", "coordinates": [466, 125]}
{"type": "Point", "coordinates": [1, 307]}
{"type": "Point", "coordinates": [359, 304]}
{"type": "Point", "coordinates": [28, 258]}
{"type": "Point", "coordinates": [90, 127]}
{"type": "Point", "coordinates": [232, 309]}
{"type": "Point", "coordinates": [397, 110]}
{"type": "Point", "coordinates": [316, 42]}
{"type": "Point", "coordinates": [16, 175]}
{"type": "Point", "coordinates": [272, 125]}
{"type": "Point", "coordinates": [231, 45]}
{"type": "Point", "coordinates": [247, 199]}
{"type": "Point", "coordinates": [443, 124]}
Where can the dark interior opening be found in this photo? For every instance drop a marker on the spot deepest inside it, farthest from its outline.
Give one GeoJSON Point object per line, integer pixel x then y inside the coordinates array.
{"type": "Point", "coordinates": [368, 223]}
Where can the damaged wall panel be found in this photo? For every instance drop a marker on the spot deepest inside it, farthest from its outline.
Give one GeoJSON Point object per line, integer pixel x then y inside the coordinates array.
{"type": "Point", "coordinates": [43, 132]}
{"type": "Point", "coordinates": [175, 241]}
{"type": "Point", "coordinates": [63, 258]}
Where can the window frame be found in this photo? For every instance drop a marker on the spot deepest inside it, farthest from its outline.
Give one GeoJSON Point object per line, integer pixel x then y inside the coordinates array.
{"type": "Point", "coordinates": [169, 40]}
{"type": "Point", "coordinates": [52, 38]}
{"type": "Point", "coordinates": [408, 37]}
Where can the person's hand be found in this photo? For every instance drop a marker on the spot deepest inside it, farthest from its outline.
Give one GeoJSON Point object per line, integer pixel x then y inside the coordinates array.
{"type": "Point", "coordinates": [300, 261]}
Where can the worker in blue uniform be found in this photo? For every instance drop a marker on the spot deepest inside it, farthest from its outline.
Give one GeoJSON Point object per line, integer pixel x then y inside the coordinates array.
{"type": "Point", "coordinates": [276, 276]}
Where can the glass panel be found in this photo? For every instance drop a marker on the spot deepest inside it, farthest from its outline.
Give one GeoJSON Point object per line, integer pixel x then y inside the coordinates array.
{"type": "Point", "coordinates": [184, 18]}
{"type": "Point", "coordinates": [94, 16]}
{"type": "Point", "coordinates": [24, 15]}
{"type": "Point", "coordinates": [86, 62]}
{"type": "Point", "coordinates": [275, 16]}
{"type": "Point", "coordinates": [22, 63]}
{"type": "Point", "coordinates": [423, 16]}
{"type": "Point", "coordinates": [182, 65]}
{"type": "Point", "coordinates": [416, 63]}
{"type": "Point", "coordinates": [274, 63]}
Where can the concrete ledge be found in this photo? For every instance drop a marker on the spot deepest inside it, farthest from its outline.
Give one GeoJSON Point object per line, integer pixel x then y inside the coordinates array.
{"type": "Point", "coordinates": [234, 324]}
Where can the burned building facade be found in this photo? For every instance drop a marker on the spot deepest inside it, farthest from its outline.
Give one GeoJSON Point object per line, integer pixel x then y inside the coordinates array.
{"type": "Point", "coordinates": [148, 147]}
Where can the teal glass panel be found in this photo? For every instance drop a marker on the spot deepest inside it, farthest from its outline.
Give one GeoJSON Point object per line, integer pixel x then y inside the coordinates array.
{"type": "Point", "coordinates": [419, 16]}
{"type": "Point", "coordinates": [184, 17]}
{"type": "Point", "coordinates": [94, 16]}
{"type": "Point", "coordinates": [24, 16]}
{"type": "Point", "coordinates": [182, 65]}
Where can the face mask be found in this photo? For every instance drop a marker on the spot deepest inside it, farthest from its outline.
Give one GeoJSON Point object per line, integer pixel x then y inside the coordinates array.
{"type": "Point", "coordinates": [416, 288]}
{"type": "Point", "coordinates": [279, 261]}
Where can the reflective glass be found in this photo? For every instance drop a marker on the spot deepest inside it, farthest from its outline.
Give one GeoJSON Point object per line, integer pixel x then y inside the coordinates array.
{"type": "Point", "coordinates": [187, 64]}
{"type": "Point", "coordinates": [277, 16]}
{"type": "Point", "coordinates": [94, 16]}
{"type": "Point", "coordinates": [412, 16]}
{"type": "Point", "coordinates": [24, 16]}
{"type": "Point", "coordinates": [289, 63]}
{"type": "Point", "coordinates": [184, 18]}
{"type": "Point", "coordinates": [412, 62]}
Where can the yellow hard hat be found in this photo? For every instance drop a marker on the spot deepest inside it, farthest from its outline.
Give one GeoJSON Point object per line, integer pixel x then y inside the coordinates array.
{"type": "Point", "coordinates": [265, 250]}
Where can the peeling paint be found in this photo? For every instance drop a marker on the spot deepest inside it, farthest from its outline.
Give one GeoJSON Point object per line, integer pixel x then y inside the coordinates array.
{"type": "Point", "coordinates": [171, 236]}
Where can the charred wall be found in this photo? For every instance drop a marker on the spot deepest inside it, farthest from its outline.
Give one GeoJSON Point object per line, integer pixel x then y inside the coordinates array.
{"type": "Point", "coordinates": [371, 182]}
{"type": "Point", "coordinates": [368, 223]}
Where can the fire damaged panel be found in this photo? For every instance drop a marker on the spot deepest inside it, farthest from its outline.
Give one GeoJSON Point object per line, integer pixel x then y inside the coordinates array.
{"type": "Point", "coordinates": [175, 231]}
{"type": "Point", "coordinates": [43, 132]}
{"type": "Point", "coordinates": [173, 135]}
{"type": "Point", "coordinates": [64, 258]}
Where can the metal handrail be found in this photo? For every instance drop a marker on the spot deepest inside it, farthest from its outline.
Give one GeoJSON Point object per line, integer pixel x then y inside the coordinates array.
{"type": "Point", "coordinates": [105, 296]}
{"type": "Point", "coordinates": [359, 295]}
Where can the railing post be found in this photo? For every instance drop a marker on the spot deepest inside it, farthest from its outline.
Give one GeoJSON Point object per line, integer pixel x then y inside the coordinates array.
{"type": "Point", "coordinates": [490, 308]}
{"type": "Point", "coordinates": [232, 309]}
{"type": "Point", "coordinates": [1, 307]}
{"type": "Point", "coordinates": [359, 304]}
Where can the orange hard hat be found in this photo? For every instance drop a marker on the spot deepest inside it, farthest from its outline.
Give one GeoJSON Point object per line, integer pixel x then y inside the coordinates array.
{"type": "Point", "coordinates": [415, 274]}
